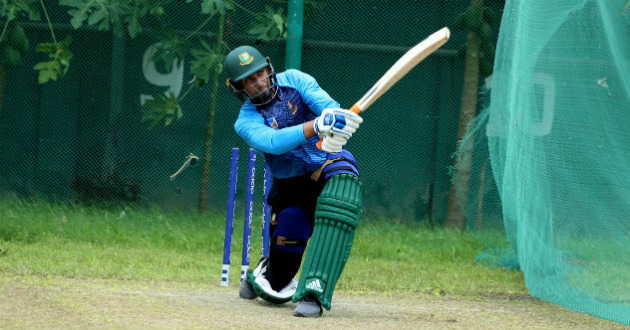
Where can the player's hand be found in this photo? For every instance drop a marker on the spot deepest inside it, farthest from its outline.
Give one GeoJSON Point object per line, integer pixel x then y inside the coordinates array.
{"type": "Point", "coordinates": [333, 143]}
{"type": "Point", "coordinates": [339, 122]}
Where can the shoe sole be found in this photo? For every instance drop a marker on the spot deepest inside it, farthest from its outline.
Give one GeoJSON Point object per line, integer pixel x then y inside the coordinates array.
{"type": "Point", "coordinates": [304, 315]}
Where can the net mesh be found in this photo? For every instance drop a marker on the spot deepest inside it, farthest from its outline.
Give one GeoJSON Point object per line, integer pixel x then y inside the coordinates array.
{"type": "Point", "coordinates": [83, 136]}
{"type": "Point", "coordinates": [559, 149]}
{"type": "Point", "coordinates": [546, 161]}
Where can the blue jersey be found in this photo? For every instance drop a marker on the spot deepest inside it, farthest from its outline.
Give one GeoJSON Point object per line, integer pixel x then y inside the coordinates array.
{"type": "Point", "coordinates": [277, 129]}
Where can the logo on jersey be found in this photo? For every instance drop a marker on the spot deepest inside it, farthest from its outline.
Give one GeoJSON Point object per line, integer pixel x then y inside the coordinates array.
{"type": "Point", "coordinates": [292, 107]}
{"type": "Point", "coordinates": [271, 122]}
{"type": "Point", "coordinates": [245, 58]}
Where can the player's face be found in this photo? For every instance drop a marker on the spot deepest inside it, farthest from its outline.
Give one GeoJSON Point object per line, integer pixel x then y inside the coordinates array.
{"type": "Point", "coordinates": [257, 85]}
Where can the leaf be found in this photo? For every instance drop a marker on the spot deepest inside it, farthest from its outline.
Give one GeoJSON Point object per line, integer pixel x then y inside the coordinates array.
{"type": "Point", "coordinates": [18, 38]}
{"type": "Point", "coordinates": [161, 108]}
{"type": "Point", "coordinates": [279, 21]}
{"type": "Point", "coordinates": [257, 29]}
{"type": "Point", "coordinates": [213, 6]}
{"type": "Point", "coordinates": [13, 9]}
{"type": "Point", "coordinates": [134, 27]}
{"type": "Point", "coordinates": [169, 51]}
{"type": "Point", "coordinates": [269, 25]}
{"type": "Point", "coordinates": [47, 71]}
{"type": "Point", "coordinates": [12, 57]}
{"type": "Point", "coordinates": [82, 9]}
{"type": "Point", "coordinates": [59, 65]}
{"type": "Point", "coordinates": [98, 15]}
{"type": "Point", "coordinates": [206, 61]}
{"type": "Point", "coordinates": [119, 15]}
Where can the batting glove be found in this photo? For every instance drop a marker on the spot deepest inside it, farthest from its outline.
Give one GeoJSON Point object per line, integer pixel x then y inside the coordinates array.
{"type": "Point", "coordinates": [339, 122]}
{"type": "Point", "coordinates": [333, 143]}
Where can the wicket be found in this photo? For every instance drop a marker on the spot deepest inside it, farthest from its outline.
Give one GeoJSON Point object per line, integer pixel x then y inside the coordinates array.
{"type": "Point", "coordinates": [249, 206]}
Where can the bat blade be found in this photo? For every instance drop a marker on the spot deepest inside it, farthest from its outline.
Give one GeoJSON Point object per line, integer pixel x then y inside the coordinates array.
{"type": "Point", "coordinates": [408, 61]}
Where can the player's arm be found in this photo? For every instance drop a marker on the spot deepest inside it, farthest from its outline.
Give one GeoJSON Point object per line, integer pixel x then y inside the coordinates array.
{"type": "Point", "coordinates": [334, 124]}
{"type": "Point", "coordinates": [315, 97]}
{"type": "Point", "coordinates": [250, 126]}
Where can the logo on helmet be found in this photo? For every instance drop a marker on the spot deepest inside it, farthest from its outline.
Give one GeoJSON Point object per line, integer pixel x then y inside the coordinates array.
{"type": "Point", "coordinates": [245, 58]}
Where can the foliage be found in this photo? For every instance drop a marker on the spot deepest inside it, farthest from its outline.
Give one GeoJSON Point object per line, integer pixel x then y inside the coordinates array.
{"type": "Point", "coordinates": [270, 25]}
{"type": "Point", "coordinates": [163, 107]}
{"type": "Point", "coordinates": [13, 40]}
{"type": "Point", "coordinates": [206, 61]}
{"type": "Point", "coordinates": [132, 18]}
{"type": "Point", "coordinates": [14, 45]}
{"type": "Point", "coordinates": [171, 48]}
{"type": "Point", "coordinates": [12, 9]}
{"type": "Point", "coordinates": [215, 6]}
{"type": "Point", "coordinates": [106, 15]}
{"type": "Point", "coordinates": [482, 25]}
{"type": "Point", "coordinates": [60, 54]}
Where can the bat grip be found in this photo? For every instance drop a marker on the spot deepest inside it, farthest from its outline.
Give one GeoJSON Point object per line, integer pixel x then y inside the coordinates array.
{"type": "Point", "coordinates": [355, 108]}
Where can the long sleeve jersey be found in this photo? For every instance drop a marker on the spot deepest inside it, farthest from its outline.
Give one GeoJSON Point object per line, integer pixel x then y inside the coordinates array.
{"type": "Point", "coordinates": [277, 129]}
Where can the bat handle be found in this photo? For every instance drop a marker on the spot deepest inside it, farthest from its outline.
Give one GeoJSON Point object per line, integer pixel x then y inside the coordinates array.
{"type": "Point", "coordinates": [355, 108]}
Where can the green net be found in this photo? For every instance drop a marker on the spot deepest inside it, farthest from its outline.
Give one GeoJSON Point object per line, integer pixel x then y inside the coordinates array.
{"type": "Point", "coordinates": [559, 146]}
{"type": "Point", "coordinates": [87, 136]}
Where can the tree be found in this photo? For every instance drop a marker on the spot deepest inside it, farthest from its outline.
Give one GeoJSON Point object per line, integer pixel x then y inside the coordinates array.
{"type": "Point", "coordinates": [123, 17]}
{"type": "Point", "coordinates": [479, 57]}
{"type": "Point", "coordinates": [207, 55]}
{"type": "Point", "coordinates": [14, 43]}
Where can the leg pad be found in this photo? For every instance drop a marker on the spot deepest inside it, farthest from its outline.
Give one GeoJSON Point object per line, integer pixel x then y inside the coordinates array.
{"type": "Point", "coordinates": [336, 218]}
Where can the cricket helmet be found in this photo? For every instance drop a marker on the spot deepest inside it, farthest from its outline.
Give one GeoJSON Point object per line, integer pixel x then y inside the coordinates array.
{"type": "Point", "coordinates": [241, 63]}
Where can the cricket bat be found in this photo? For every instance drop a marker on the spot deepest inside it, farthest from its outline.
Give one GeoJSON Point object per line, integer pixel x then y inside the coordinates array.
{"type": "Point", "coordinates": [407, 62]}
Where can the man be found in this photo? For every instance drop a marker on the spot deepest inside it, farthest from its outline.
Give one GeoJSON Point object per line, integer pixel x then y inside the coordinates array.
{"type": "Point", "coordinates": [315, 194]}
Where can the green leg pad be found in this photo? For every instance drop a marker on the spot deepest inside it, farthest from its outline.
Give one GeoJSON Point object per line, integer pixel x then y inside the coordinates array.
{"type": "Point", "coordinates": [336, 218]}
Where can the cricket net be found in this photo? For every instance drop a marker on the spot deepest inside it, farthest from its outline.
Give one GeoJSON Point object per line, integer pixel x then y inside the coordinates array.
{"type": "Point", "coordinates": [557, 130]}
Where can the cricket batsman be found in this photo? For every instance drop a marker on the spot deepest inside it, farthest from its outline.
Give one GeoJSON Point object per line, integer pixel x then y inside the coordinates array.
{"type": "Point", "coordinates": [315, 194]}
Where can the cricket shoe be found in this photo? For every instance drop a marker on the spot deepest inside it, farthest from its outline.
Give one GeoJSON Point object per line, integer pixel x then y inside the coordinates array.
{"type": "Point", "coordinates": [246, 290]}
{"type": "Point", "coordinates": [309, 307]}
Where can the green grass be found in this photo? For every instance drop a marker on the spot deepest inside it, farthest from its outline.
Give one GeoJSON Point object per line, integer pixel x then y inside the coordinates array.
{"type": "Point", "coordinates": [152, 244]}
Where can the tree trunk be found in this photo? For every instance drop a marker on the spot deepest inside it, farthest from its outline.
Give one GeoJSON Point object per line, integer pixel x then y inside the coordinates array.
{"type": "Point", "coordinates": [461, 174]}
{"type": "Point", "coordinates": [207, 148]}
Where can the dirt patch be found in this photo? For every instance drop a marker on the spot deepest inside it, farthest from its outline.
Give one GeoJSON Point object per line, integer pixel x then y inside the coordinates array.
{"type": "Point", "coordinates": [35, 302]}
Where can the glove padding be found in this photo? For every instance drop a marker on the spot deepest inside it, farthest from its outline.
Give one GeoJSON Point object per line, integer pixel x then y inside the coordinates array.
{"type": "Point", "coordinates": [333, 143]}
{"type": "Point", "coordinates": [337, 122]}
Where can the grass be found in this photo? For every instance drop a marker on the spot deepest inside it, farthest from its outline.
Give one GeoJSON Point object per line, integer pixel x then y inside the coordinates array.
{"type": "Point", "coordinates": [151, 244]}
